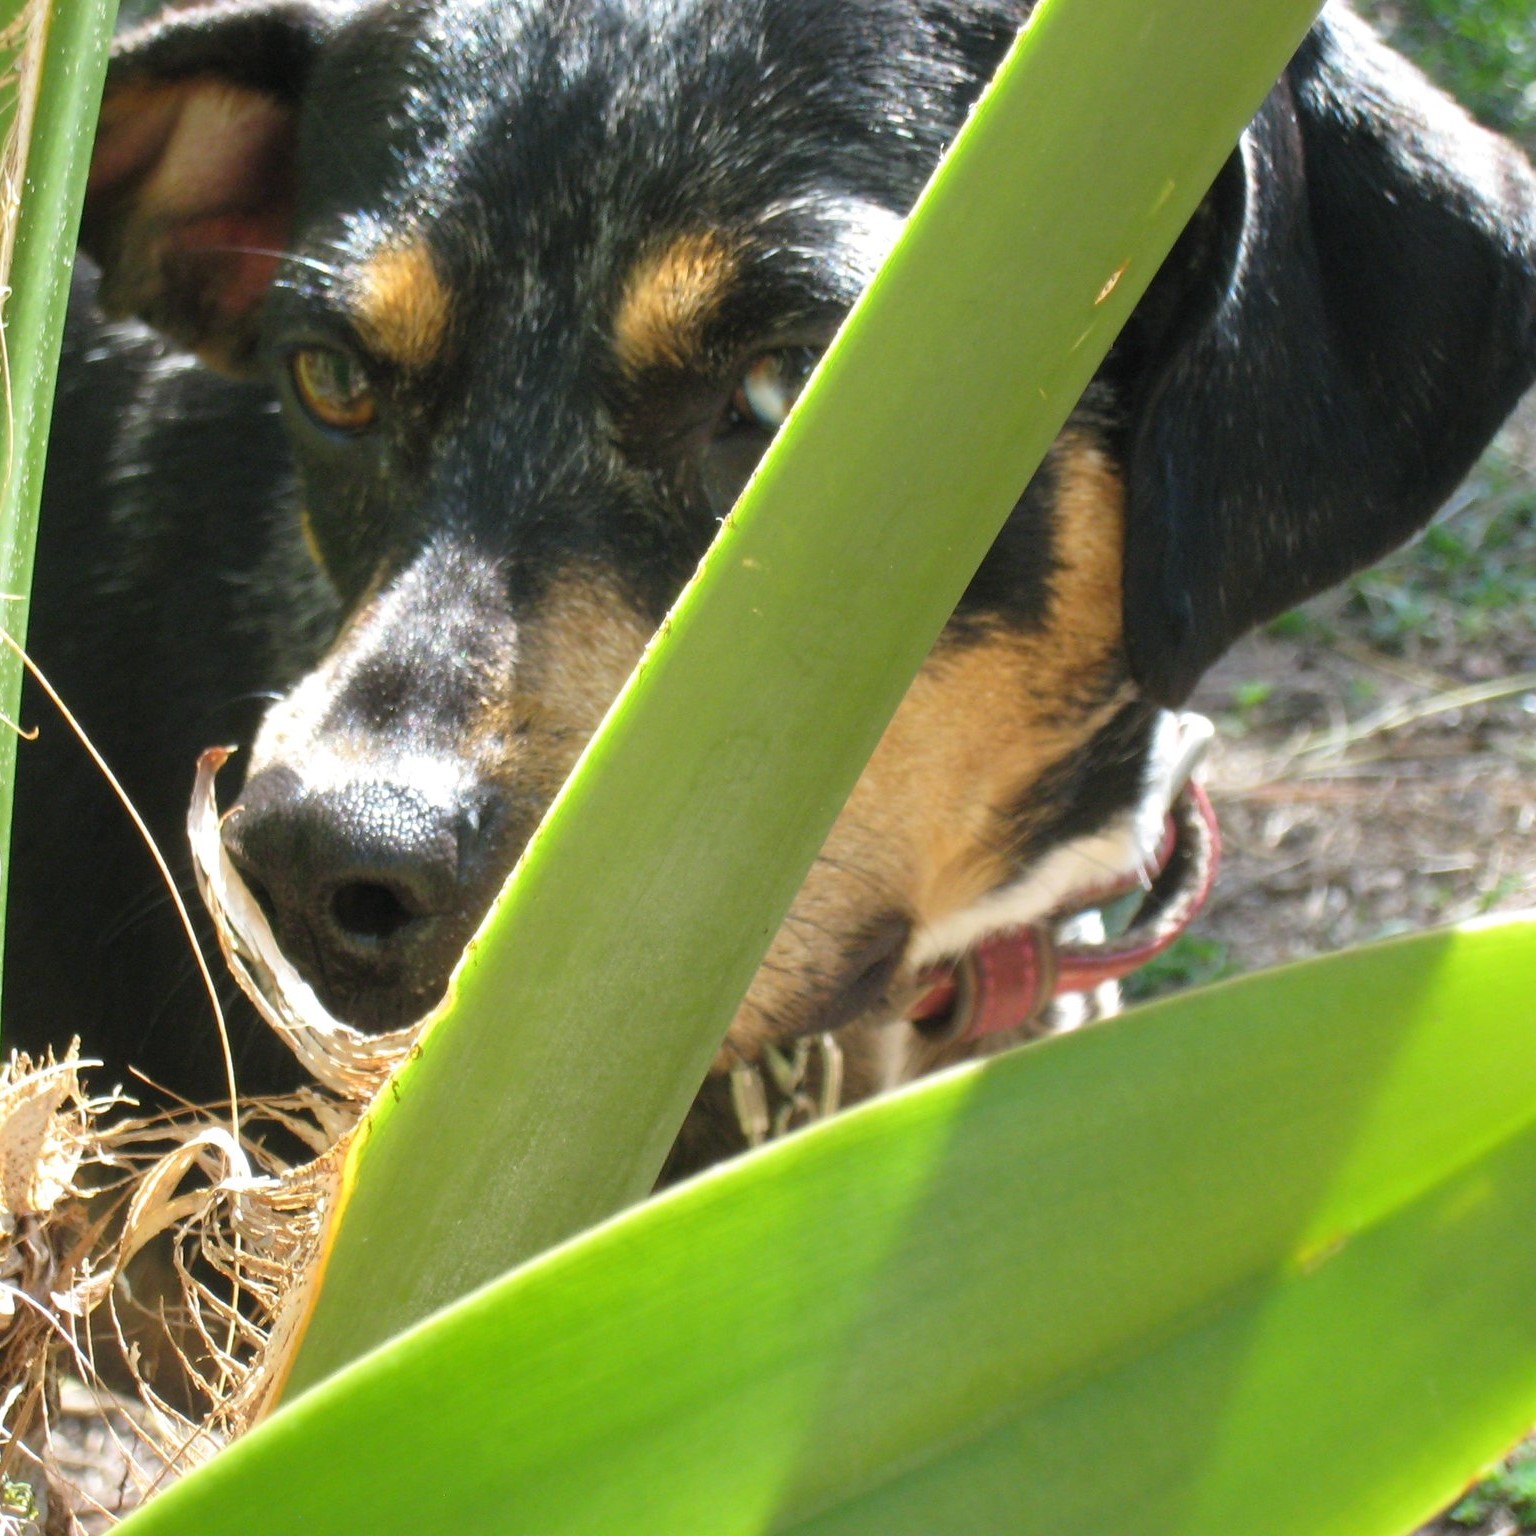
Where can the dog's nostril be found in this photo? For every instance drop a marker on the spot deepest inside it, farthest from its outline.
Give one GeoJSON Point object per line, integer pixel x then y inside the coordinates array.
{"type": "Point", "coordinates": [368, 911]}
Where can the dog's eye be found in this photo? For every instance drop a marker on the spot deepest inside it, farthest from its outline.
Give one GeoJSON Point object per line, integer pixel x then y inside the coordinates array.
{"type": "Point", "coordinates": [333, 388]}
{"type": "Point", "coordinates": [770, 386]}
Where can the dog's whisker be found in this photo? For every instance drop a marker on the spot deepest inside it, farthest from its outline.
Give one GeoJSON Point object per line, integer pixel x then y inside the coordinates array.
{"type": "Point", "coordinates": [307, 262]}
{"type": "Point", "coordinates": [150, 905]}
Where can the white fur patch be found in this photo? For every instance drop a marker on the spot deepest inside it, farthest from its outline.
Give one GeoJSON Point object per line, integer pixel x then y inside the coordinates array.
{"type": "Point", "coordinates": [1122, 849]}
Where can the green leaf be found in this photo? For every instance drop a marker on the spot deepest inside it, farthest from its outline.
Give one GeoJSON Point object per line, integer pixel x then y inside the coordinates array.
{"type": "Point", "coordinates": [60, 51]}
{"type": "Point", "coordinates": [1257, 1258]}
{"type": "Point", "coordinates": [589, 1009]}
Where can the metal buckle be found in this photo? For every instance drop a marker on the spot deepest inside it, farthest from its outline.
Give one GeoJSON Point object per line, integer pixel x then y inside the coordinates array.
{"type": "Point", "coordinates": [789, 1075]}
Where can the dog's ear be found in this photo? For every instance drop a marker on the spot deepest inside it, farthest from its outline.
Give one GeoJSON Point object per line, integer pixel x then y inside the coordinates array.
{"type": "Point", "coordinates": [1343, 327]}
{"type": "Point", "coordinates": [191, 190]}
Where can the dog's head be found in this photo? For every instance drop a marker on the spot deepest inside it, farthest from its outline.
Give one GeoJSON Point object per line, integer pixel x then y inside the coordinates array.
{"type": "Point", "coordinates": [536, 282]}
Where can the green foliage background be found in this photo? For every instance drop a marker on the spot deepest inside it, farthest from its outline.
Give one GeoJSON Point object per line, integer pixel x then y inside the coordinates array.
{"type": "Point", "coordinates": [1483, 51]}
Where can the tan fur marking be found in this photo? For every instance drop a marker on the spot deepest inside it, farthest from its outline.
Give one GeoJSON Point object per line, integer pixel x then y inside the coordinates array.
{"type": "Point", "coordinates": [669, 297]}
{"type": "Point", "coordinates": [401, 307]}
{"type": "Point", "coordinates": [576, 651]}
{"type": "Point", "coordinates": [923, 833]}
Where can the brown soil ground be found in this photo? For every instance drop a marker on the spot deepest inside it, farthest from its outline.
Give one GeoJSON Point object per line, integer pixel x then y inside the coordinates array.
{"type": "Point", "coordinates": [1338, 829]}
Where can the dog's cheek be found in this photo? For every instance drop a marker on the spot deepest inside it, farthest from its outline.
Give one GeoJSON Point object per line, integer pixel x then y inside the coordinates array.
{"type": "Point", "coordinates": [578, 648]}
{"type": "Point", "coordinates": [933, 824]}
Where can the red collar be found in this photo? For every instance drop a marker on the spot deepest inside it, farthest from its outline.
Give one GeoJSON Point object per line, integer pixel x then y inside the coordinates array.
{"type": "Point", "coordinates": [1010, 978]}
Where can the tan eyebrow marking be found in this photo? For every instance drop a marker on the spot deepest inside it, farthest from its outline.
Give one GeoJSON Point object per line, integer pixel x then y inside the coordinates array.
{"type": "Point", "coordinates": [668, 298]}
{"type": "Point", "coordinates": [401, 305]}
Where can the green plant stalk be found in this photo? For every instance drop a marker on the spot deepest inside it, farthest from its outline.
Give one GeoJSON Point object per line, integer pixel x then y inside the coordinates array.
{"type": "Point", "coordinates": [1256, 1258]}
{"type": "Point", "coordinates": [73, 54]}
{"type": "Point", "coordinates": [588, 1009]}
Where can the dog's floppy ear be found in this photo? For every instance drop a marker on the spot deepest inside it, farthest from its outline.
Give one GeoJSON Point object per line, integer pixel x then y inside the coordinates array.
{"type": "Point", "coordinates": [1347, 322]}
{"type": "Point", "coordinates": [192, 181]}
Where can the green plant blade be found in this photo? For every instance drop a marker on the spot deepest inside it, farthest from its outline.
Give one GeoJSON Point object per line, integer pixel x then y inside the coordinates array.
{"type": "Point", "coordinates": [1257, 1258]}
{"type": "Point", "coordinates": [70, 47]}
{"type": "Point", "coordinates": [590, 1007]}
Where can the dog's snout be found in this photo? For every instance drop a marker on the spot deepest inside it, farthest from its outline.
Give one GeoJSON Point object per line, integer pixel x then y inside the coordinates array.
{"type": "Point", "coordinates": [368, 884]}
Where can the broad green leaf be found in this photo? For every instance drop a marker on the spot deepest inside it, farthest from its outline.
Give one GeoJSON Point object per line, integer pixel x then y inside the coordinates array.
{"type": "Point", "coordinates": [51, 70]}
{"type": "Point", "coordinates": [591, 1005]}
{"type": "Point", "coordinates": [1255, 1259]}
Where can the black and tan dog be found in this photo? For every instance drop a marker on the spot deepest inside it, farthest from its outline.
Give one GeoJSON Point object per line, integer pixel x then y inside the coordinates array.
{"type": "Point", "coordinates": [499, 304]}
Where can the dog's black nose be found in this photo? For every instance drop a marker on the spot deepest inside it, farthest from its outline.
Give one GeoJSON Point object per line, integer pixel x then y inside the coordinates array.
{"type": "Point", "coordinates": [369, 885]}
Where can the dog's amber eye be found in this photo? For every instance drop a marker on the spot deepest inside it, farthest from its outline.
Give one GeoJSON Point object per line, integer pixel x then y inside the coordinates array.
{"type": "Point", "coordinates": [771, 385]}
{"type": "Point", "coordinates": [333, 388]}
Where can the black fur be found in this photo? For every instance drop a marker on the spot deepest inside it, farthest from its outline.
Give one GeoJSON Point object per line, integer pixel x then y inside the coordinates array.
{"type": "Point", "coordinates": [172, 596]}
{"type": "Point", "coordinates": [1347, 320]}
